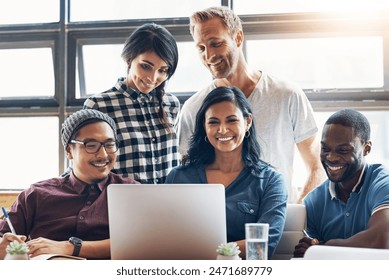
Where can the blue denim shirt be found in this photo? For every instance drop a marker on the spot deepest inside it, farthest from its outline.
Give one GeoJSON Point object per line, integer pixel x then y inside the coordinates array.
{"type": "Point", "coordinates": [250, 198]}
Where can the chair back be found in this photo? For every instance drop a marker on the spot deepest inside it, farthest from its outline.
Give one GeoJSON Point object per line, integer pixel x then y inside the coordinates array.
{"type": "Point", "coordinates": [295, 222]}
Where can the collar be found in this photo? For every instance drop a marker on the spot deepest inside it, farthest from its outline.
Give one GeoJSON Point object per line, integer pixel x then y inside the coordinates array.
{"type": "Point", "coordinates": [332, 185]}
{"type": "Point", "coordinates": [80, 186]}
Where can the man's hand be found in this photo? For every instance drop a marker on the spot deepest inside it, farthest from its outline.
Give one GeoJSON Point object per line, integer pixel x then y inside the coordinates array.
{"type": "Point", "coordinates": [303, 245]}
{"type": "Point", "coordinates": [41, 245]}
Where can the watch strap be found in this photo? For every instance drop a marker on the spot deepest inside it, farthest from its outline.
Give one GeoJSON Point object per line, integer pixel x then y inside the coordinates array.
{"type": "Point", "coordinates": [77, 243]}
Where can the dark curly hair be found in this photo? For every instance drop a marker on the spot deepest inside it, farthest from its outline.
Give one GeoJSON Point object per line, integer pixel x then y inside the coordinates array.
{"type": "Point", "coordinates": [354, 119]}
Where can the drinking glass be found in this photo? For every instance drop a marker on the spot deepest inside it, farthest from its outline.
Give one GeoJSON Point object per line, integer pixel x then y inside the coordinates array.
{"type": "Point", "coordinates": [257, 235]}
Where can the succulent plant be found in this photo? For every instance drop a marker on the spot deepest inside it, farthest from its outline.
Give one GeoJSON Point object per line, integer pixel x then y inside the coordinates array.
{"type": "Point", "coordinates": [228, 249]}
{"type": "Point", "coordinates": [16, 248]}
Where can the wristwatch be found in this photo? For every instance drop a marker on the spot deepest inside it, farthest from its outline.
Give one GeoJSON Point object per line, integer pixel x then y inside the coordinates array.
{"type": "Point", "coordinates": [77, 243]}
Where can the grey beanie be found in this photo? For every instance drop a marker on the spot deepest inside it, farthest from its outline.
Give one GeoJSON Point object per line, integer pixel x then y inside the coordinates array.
{"type": "Point", "coordinates": [81, 118]}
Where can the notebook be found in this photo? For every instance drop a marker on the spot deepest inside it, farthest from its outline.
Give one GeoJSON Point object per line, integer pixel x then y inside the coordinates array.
{"type": "Point", "coordinates": [345, 253]}
{"type": "Point", "coordinates": [166, 222]}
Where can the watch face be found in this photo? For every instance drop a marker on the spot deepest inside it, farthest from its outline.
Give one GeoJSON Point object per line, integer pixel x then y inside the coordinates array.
{"type": "Point", "coordinates": [75, 240]}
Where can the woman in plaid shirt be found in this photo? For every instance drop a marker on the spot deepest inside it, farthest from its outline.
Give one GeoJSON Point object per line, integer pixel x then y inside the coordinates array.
{"type": "Point", "coordinates": [145, 115]}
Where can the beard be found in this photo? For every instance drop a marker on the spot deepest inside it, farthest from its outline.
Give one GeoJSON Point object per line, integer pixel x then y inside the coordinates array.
{"type": "Point", "coordinates": [349, 171]}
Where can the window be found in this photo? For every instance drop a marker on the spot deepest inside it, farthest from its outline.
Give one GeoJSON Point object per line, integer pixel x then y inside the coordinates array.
{"type": "Point", "coordinates": [28, 72]}
{"type": "Point", "coordinates": [101, 66]}
{"type": "Point", "coordinates": [20, 11]}
{"type": "Point", "coordinates": [245, 7]}
{"type": "Point", "coordinates": [191, 75]}
{"type": "Point", "coordinates": [322, 63]}
{"type": "Point", "coordinates": [90, 10]}
{"type": "Point", "coordinates": [29, 150]}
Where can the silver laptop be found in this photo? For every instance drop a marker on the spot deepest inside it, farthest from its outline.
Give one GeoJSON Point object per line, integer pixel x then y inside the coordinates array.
{"type": "Point", "coordinates": [166, 222]}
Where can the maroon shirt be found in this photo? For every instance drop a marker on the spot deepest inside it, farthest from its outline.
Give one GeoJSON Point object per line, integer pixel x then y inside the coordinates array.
{"type": "Point", "coordinates": [59, 208]}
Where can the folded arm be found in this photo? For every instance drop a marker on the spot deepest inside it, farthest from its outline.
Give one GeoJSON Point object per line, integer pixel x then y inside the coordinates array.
{"type": "Point", "coordinates": [376, 234]}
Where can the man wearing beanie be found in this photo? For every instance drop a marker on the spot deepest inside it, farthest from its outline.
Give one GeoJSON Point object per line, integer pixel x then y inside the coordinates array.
{"type": "Point", "coordinates": [69, 215]}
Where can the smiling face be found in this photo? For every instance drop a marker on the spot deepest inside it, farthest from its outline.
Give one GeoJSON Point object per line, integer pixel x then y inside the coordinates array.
{"type": "Point", "coordinates": [218, 50]}
{"type": "Point", "coordinates": [147, 71]}
{"type": "Point", "coordinates": [342, 154]}
{"type": "Point", "coordinates": [225, 127]}
{"type": "Point", "coordinates": [92, 168]}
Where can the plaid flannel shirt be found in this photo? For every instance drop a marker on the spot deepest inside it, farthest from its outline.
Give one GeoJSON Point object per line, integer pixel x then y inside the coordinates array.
{"type": "Point", "coordinates": [148, 150]}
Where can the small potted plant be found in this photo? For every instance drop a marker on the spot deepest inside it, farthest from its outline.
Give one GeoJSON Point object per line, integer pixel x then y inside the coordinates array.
{"type": "Point", "coordinates": [228, 251]}
{"type": "Point", "coordinates": [16, 251]}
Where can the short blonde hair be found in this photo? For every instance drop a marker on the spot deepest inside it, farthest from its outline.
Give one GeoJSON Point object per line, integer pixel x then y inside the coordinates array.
{"type": "Point", "coordinates": [230, 19]}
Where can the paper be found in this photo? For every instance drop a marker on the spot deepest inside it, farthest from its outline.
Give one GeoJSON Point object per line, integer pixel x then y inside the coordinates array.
{"type": "Point", "coordinates": [56, 257]}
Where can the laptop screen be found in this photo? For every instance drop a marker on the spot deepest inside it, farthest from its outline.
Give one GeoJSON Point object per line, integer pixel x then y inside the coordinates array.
{"type": "Point", "coordinates": [167, 221]}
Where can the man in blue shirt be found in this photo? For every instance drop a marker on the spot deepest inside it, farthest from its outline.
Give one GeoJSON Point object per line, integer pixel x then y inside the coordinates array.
{"type": "Point", "coordinates": [351, 208]}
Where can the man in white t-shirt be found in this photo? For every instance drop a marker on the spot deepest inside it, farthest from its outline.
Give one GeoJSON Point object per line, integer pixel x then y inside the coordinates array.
{"type": "Point", "coordinates": [283, 115]}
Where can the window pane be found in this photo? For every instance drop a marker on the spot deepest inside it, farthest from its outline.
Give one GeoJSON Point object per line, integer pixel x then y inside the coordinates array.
{"type": "Point", "coordinates": [103, 66]}
{"type": "Point", "coordinates": [295, 6]}
{"type": "Point", "coordinates": [26, 72]}
{"type": "Point", "coordinates": [379, 151]}
{"type": "Point", "coordinates": [27, 11]}
{"type": "Point", "coordinates": [191, 74]}
{"type": "Point", "coordinates": [89, 10]}
{"type": "Point", "coordinates": [29, 150]}
{"type": "Point", "coordinates": [316, 63]}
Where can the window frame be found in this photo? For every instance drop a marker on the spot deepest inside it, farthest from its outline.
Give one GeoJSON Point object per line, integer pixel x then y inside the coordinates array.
{"type": "Point", "coordinates": [32, 37]}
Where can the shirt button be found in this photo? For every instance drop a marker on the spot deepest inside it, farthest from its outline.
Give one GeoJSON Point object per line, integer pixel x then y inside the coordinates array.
{"type": "Point", "coordinates": [148, 122]}
{"type": "Point", "coordinates": [251, 211]}
{"type": "Point", "coordinates": [153, 139]}
{"type": "Point", "coordinates": [156, 160]}
{"type": "Point", "coordinates": [347, 214]}
{"type": "Point", "coordinates": [81, 217]}
{"type": "Point", "coordinates": [156, 180]}
{"type": "Point", "coordinates": [88, 203]}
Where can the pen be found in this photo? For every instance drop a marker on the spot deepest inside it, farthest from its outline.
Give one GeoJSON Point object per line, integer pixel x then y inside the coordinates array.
{"type": "Point", "coordinates": [314, 241]}
{"type": "Point", "coordinates": [8, 220]}
{"type": "Point", "coordinates": [306, 233]}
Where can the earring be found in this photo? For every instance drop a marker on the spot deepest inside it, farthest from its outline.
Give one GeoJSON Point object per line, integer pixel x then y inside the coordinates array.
{"type": "Point", "coordinates": [247, 134]}
{"type": "Point", "coordinates": [206, 139]}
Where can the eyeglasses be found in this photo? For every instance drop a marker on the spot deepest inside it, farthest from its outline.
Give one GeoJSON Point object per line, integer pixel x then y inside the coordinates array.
{"type": "Point", "coordinates": [92, 146]}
